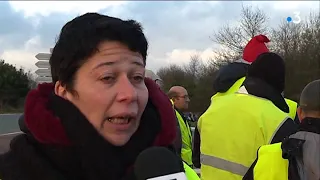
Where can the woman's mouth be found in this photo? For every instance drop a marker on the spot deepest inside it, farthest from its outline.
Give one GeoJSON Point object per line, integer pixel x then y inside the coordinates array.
{"type": "Point", "coordinates": [120, 120]}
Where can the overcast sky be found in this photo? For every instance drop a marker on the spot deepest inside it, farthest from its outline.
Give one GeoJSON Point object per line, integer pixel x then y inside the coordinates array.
{"type": "Point", "coordinates": [175, 30]}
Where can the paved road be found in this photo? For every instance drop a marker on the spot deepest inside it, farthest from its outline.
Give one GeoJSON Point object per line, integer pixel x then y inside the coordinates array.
{"type": "Point", "coordinates": [8, 129]}
{"type": "Point", "coordinates": [9, 123]}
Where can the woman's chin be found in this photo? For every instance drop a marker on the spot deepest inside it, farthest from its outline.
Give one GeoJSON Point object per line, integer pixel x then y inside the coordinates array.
{"type": "Point", "coordinates": [118, 139]}
{"type": "Point", "coordinates": [119, 135]}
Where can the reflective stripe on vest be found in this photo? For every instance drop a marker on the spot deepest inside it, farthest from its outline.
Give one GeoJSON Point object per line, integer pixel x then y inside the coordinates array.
{"type": "Point", "coordinates": [225, 165]}
{"type": "Point", "coordinates": [186, 151]}
{"type": "Point", "coordinates": [292, 108]}
{"type": "Point", "coordinates": [270, 164]}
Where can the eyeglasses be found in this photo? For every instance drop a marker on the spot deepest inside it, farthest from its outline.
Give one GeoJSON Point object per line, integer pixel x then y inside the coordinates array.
{"type": "Point", "coordinates": [185, 96]}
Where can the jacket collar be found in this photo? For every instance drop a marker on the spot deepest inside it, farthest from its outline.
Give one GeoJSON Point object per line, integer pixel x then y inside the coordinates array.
{"type": "Point", "coordinates": [259, 88]}
{"type": "Point", "coordinates": [47, 128]}
{"type": "Point", "coordinates": [310, 125]}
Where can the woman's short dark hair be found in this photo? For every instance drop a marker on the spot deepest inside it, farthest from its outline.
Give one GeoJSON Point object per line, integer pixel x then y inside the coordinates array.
{"type": "Point", "coordinates": [79, 39]}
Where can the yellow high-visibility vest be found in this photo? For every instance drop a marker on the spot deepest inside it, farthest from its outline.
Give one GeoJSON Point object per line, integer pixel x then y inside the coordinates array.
{"type": "Point", "coordinates": [270, 164]}
{"type": "Point", "coordinates": [292, 108]}
{"type": "Point", "coordinates": [186, 150]}
{"type": "Point", "coordinates": [232, 130]}
{"type": "Point", "coordinates": [235, 87]}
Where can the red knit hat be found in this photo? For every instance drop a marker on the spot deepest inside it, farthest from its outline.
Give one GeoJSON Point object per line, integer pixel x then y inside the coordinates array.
{"type": "Point", "coordinates": [255, 47]}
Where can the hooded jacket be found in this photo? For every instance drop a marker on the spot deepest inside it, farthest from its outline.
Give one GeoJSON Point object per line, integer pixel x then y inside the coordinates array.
{"type": "Point", "coordinates": [59, 143]}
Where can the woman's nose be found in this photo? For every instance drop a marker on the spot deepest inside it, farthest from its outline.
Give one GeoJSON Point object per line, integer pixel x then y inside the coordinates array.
{"type": "Point", "coordinates": [126, 90]}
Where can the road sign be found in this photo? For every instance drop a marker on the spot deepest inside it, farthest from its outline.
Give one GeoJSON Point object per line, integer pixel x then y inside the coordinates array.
{"type": "Point", "coordinates": [43, 64]}
{"type": "Point", "coordinates": [43, 72]}
{"type": "Point", "coordinates": [43, 79]}
{"type": "Point", "coordinates": [43, 56]}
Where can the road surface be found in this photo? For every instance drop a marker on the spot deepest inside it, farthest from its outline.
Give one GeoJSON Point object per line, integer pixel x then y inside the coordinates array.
{"type": "Point", "coordinates": [9, 128]}
{"type": "Point", "coordinates": [9, 123]}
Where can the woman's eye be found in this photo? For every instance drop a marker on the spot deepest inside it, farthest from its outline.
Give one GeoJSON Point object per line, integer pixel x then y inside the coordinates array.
{"type": "Point", "coordinates": [138, 78]}
{"type": "Point", "coordinates": [108, 79]}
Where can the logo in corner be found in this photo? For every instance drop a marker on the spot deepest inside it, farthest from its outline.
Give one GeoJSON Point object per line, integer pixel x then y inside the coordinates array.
{"type": "Point", "coordinates": [296, 18]}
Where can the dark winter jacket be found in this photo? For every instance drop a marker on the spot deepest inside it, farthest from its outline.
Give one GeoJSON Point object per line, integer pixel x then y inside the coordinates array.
{"type": "Point", "coordinates": [60, 144]}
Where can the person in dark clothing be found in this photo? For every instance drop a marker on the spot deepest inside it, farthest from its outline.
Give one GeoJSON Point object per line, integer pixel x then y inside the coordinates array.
{"type": "Point", "coordinates": [230, 78]}
{"type": "Point", "coordinates": [196, 148]}
{"type": "Point", "coordinates": [100, 111]}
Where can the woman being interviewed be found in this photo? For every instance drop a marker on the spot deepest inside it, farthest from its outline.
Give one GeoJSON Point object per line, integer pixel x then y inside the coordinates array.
{"type": "Point", "coordinates": [98, 114]}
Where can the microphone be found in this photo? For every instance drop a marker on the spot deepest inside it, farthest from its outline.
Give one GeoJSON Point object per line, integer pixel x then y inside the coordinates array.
{"type": "Point", "coordinates": [158, 163]}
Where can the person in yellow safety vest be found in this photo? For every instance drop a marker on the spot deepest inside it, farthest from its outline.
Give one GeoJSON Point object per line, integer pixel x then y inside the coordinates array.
{"type": "Point", "coordinates": [297, 157]}
{"type": "Point", "coordinates": [292, 109]}
{"type": "Point", "coordinates": [180, 99]}
{"type": "Point", "coordinates": [236, 125]}
{"type": "Point", "coordinates": [230, 78]}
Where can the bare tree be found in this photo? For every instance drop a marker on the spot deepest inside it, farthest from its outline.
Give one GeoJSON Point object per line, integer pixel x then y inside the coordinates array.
{"type": "Point", "coordinates": [299, 45]}
{"type": "Point", "coordinates": [253, 22]}
{"type": "Point", "coordinates": [195, 76]}
{"type": "Point", "coordinates": [173, 75]}
{"type": "Point", "coordinates": [233, 39]}
{"type": "Point", "coordinates": [194, 66]}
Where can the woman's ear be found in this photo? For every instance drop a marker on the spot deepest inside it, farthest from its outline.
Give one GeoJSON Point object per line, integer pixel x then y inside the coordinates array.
{"type": "Point", "coordinates": [60, 90]}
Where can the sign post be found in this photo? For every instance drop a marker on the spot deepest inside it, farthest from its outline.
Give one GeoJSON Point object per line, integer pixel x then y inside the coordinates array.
{"type": "Point", "coordinates": [44, 73]}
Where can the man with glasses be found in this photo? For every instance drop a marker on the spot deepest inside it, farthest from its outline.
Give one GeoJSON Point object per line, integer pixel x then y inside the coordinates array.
{"type": "Point", "coordinates": [180, 100]}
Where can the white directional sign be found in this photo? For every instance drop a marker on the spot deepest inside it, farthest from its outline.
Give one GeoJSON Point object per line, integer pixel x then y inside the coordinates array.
{"type": "Point", "coordinates": [43, 79]}
{"type": "Point", "coordinates": [43, 72]}
{"type": "Point", "coordinates": [43, 56]}
{"type": "Point", "coordinates": [43, 64]}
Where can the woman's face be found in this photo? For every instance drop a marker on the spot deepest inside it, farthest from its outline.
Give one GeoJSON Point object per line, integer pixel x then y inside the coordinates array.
{"type": "Point", "coordinates": [111, 91]}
